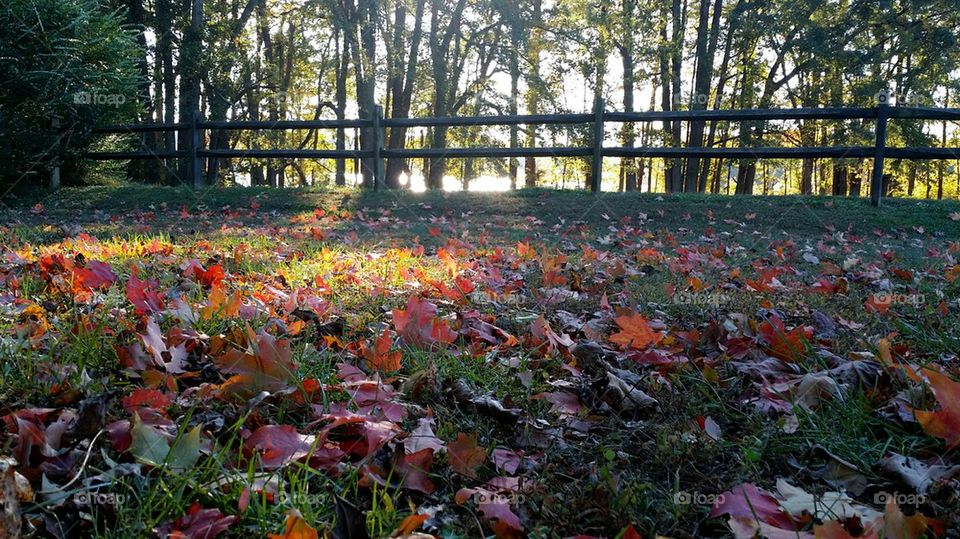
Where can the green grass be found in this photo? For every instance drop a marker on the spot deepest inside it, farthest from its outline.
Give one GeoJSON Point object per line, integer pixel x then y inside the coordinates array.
{"type": "Point", "coordinates": [363, 251]}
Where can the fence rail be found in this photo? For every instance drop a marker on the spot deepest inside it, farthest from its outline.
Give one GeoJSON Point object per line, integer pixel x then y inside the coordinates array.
{"type": "Point", "coordinates": [373, 157]}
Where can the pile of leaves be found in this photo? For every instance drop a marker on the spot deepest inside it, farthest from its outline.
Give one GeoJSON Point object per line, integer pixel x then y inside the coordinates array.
{"type": "Point", "coordinates": [333, 373]}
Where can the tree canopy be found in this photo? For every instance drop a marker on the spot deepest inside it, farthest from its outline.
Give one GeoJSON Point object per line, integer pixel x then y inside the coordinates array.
{"type": "Point", "coordinates": [273, 60]}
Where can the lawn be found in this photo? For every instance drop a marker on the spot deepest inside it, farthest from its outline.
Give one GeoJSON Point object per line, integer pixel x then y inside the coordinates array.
{"type": "Point", "coordinates": [245, 362]}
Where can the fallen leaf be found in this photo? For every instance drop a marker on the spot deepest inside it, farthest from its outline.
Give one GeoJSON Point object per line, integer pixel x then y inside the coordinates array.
{"type": "Point", "coordinates": [465, 456]}
{"type": "Point", "coordinates": [295, 527]}
{"type": "Point", "coordinates": [635, 332]}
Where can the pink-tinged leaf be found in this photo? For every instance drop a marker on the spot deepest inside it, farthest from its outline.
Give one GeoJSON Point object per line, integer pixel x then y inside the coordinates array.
{"type": "Point", "coordinates": [412, 470]}
{"type": "Point", "coordinates": [709, 427]}
{"type": "Point", "coordinates": [749, 501]}
{"type": "Point", "coordinates": [278, 445]}
{"type": "Point", "coordinates": [492, 503]}
{"type": "Point", "coordinates": [378, 433]}
{"type": "Point", "coordinates": [198, 523]}
{"type": "Point", "coordinates": [419, 327]}
{"type": "Point", "coordinates": [172, 360]}
{"type": "Point", "coordinates": [563, 402]}
{"type": "Point", "coordinates": [506, 460]}
{"type": "Point", "coordinates": [423, 437]}
{"type": "Point", "coordinates": [501, 511]}
{"type": "Point", "coordinates": [543, 334]}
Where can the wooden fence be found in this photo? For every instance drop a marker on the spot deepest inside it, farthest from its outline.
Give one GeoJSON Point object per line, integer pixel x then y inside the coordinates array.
{"type": "Point", "coordinates": [194, 153]}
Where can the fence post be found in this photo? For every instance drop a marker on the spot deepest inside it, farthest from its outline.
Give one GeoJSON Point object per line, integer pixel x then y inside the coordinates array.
{"type": "Point", "coordinates": [876, 181]}
{"type": "Point", "coordinates": [378, 136]}
{"type": "Point", "coordinates": [55, 170]}
{"type": "Point", "coordinates": [195, 168]}
{"type": "Point", "coordinates": [596, 165]}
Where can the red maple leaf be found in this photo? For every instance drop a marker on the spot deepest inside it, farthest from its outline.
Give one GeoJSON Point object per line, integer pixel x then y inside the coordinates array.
{"type": "Point", "coordinates": [419, 327]}
{"type": "Point", "coordinates": [207, 277]}
{"type": "Point", "coordinates": [278, 445]}
{"type": "Point", "coordinates": [198, 523]}
{"type": "Point", "coordinates": [143, 295]}
{"type": "Point", "coordinates": [95, 275]}
{"type": "Point", "coordinates": [146, 398]}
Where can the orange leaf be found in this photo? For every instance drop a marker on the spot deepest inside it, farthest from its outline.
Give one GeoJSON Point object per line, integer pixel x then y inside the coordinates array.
{"type": "Point", "coordinates": [786, 345]}
{"type": "Point", "coordinates": [896, 525]}
{"type": "Point", "coordinates": [465, 456]}
{"type": "Point", "coordinates": [267, 365]}
{"type": "Point", "coordinates": [410, 525]}
{"type": "Point", "coordinates": [380, 358]}
{"type": "Point", "coordinates": [944, 423]}
{"type": "Point", "coordinates": [295, 528]}
{"type": "Point", "coordinates": [635, 332]}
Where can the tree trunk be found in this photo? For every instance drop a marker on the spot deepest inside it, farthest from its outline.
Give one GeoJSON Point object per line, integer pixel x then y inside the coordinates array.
{"type": "Point", "coordinates": [676, 61]}
{"type": "Point", "coordinates": [516, 33]}
{"type": "Point", "coordinates": [665, 102]}
{"type": "Point", "coordinates": [165, 57]}
{"type": "Point", "coordinates": [705, 49]}
{"type": "Point", "coordinates": [137, 168]}
{"type": "Point", "coordinates": [839, 180]}
{"type": "Point", "coordinates": [533, 94]}
{"type": "Point", "coordinates": [401, 86]}
{"type": "Point", "coordinates": [628, 165]}
{"type": "Point", "coordinates": [343, 66]}
{"type": "Point", "coordinates": [190, 76]}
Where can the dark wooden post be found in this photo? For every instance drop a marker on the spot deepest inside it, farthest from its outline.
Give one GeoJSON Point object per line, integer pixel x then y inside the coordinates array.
{"type": "Point", "coordinates": [880, 150]}
{"type": "Point", "coordinates": [596, 165]}
{"type": "Point", "coordinates": [55, 170]}
{"type": "Point", "coordinates": [195, 166]}
{"type": "Point", "coordinates": [378, 135]}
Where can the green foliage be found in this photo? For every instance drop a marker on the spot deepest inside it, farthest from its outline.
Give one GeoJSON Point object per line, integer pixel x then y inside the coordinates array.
{"type": "Point", "coordinates": [66, 61]}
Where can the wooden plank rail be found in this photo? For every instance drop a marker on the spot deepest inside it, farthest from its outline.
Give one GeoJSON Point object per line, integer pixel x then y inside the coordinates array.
{"type": "Point", "coordinates": [194, 152]}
